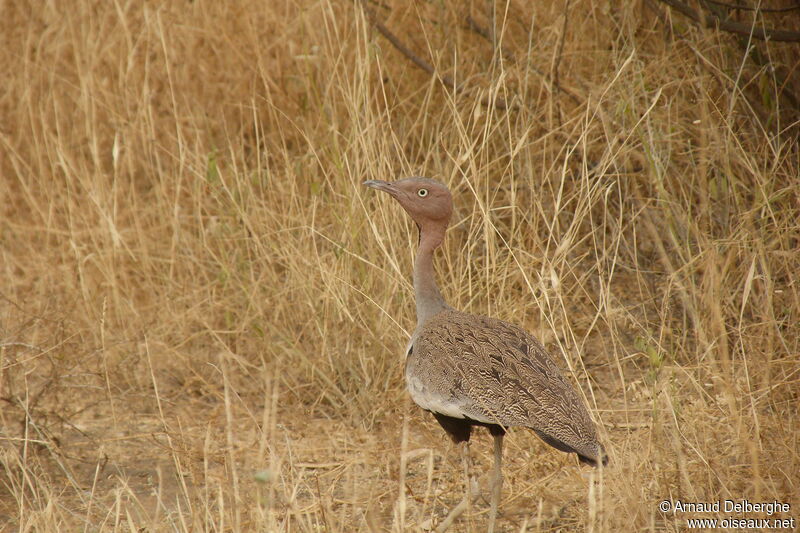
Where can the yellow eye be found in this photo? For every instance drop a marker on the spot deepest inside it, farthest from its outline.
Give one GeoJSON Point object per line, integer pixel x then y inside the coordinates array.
{"type": "Point", "coordinates": [422, 193]}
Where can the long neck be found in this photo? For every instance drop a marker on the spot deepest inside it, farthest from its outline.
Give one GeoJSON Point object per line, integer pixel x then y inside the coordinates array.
{"type": "Point", "coordinates": [429, 299]}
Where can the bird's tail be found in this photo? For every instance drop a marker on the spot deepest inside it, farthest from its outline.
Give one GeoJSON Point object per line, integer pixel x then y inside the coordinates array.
{"type": "Point", "coordinates": [591, 453]}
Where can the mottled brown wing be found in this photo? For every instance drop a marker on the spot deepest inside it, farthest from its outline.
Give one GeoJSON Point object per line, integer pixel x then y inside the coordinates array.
{"type": "Point", "coordinates": [491, 371]}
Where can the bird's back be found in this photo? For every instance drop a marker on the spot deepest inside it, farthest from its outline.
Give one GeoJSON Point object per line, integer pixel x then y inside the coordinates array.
{"type": "Point", "coordinates": [482, 369]}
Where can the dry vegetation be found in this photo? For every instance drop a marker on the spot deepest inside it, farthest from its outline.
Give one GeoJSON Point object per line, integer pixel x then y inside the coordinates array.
{"type": "Point", "coordinates": [202, 312]}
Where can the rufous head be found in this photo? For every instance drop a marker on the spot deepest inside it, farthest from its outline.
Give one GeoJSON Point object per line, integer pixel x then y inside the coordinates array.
{"type": "Point", "coordinates": [427, 201]}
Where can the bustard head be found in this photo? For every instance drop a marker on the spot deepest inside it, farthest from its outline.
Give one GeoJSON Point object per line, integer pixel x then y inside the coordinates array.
{"type": "Point", "coordinates": [427, 201]}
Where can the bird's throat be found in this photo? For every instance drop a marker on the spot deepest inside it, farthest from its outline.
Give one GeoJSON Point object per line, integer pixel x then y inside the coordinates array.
{"type": "Point", "coordinates": [429, 299]}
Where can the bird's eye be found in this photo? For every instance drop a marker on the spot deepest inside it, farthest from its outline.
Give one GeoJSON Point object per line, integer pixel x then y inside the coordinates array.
{"type": "Point", "coordinates": [422, 193]}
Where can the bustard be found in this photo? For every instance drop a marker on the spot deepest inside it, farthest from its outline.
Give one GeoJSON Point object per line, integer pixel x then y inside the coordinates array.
{"type": "Point", "coordinates": [471, 370]}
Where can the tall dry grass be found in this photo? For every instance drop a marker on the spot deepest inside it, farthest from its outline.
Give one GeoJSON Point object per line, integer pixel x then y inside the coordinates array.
{"type": "Point", "coordinates": [202, 313]}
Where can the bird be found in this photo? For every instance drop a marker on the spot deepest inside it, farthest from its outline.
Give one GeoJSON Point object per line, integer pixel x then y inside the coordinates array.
{"type": "Point", "coordinates": [475, 371]}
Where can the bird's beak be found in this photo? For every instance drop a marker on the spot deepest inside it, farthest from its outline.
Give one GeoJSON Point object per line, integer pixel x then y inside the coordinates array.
{"type": "Point", "coordinates": [384, 186]}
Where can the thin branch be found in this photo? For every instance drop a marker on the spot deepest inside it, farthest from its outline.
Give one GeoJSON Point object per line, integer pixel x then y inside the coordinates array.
{"type": "Point", "coordinates": [748, 8]}
{"type": "Point", "coordinates": [561, 39]}
{"type": "Point", "coordinates": [509, 55]}
{"type": "Point", "coordinates": [669, 28]}
{"type": "Point", "coordinates": [712, 21]}
{"type": "Point", "coordinates": [406, 51]}
{"type": "Point", "coordinates": [449, 82]}
{"type": "Point", "coordinates": [487, 34]}
{"type": "Point", "coordinates": [379, 4]}
{"type": "Point", "coordinates": [704, 62]}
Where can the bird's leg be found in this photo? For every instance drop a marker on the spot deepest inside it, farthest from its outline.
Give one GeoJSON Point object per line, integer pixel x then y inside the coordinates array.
{"type": "Point", "coordinates": [497, 480]}
{"type": "Point", "coordinates": [471, 491]}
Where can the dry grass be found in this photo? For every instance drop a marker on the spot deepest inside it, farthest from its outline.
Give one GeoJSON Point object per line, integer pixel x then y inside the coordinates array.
{"type": "Point", "coordinates": [202, 313]}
